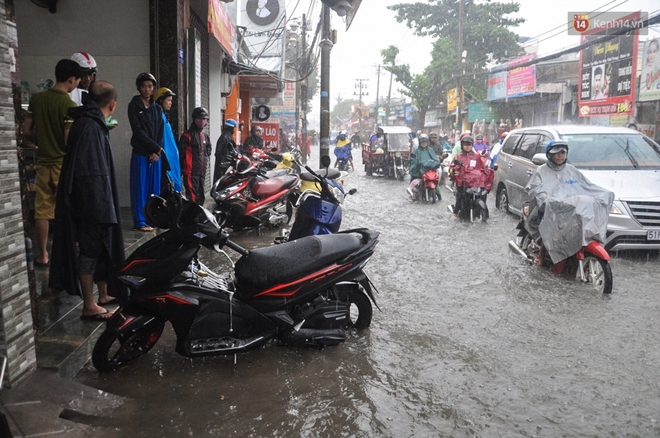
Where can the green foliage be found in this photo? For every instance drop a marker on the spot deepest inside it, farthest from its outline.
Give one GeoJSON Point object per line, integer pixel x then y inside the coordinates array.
{"type": "Point", "coordinates": [486, 35]}
{"type": "Point", "coordinates": [341, 113]}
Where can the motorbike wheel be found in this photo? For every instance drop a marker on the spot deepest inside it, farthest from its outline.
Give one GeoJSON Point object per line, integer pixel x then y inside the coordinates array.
{"type": "Point", "coordinates": [361, 310]}
{"type": "Point", "coordinates": [115, 349]}
{"type": "Point", "coordinates": [484, 214]}
{"type": "Point", "coordinates": [598, 273]}
{"type": "Point", "coordinates": [430, 195]}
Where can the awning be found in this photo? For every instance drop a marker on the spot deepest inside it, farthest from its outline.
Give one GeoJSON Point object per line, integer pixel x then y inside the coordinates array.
{"type": "Point", "coordinates": [258, 82]}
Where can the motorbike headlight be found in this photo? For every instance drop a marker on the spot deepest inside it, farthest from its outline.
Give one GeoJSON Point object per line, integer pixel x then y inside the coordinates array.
{"type": "Point", "coordinates": [339, 194]}
{"type": "Point", "coordinates": [398, 154]}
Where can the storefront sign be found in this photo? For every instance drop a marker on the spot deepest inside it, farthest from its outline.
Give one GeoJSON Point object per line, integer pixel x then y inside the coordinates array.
{"type": "Point", "coordinates": [497, 86]}
{"type": "Point", "coordinates": [220, 26]}
{"type": "Point", "coordinates": [521, 81]}
{"type": "Point", "coordinates": [649, 86]}
{"type": "Point", "coordinates": [480, 111]}
{"type": "Point", "coordinates": [607, 73]}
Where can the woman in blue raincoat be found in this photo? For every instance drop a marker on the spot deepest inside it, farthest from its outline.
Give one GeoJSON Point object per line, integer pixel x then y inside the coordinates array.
{"type": "Point", "coordinates": [164, 97]}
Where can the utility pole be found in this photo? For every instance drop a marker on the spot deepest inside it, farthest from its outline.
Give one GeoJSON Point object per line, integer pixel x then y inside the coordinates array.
{"type": "Point", "coordinates": [303, 88]}
{"type": "Point", "coordinates": [359, 93]}
{"type": "Point", "coordinates": [326, 47]}
{"type": "Point", "coordinates": [378, 95]}
{"type": "Point", "coordinates": [389, 103]}
{"type": "Point", "coordinates": [459, 87]}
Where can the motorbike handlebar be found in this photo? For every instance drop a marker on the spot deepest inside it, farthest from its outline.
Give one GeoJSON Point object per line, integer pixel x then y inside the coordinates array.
{"type": "Point", "coordinates": [236, 247]}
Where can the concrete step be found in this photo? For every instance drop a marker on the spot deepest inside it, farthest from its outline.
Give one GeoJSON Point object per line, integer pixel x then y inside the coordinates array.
{"type": "Point", "coordinates": [65, 342]}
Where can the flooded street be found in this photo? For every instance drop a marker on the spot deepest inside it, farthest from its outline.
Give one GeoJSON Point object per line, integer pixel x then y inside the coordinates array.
{"type": "Point", "coordinates": [471, 341]}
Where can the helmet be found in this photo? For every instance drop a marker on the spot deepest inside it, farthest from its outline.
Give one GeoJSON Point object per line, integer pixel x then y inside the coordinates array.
{"type": "Point", "coordinates": [231, 123]}
{"type": "Point", "coordinates": [85, 60]}
{"type": "Point", "coordinates": [419, 133]}
{"type": "Point", "coordinates": [200, 113]}
{"type": "Point", "coordinates": [341, 136]}
{"type": "Point", "coordinates": [503, 135]}
{"type": "Point", "coordinates": [163, 92]}
{"type": "Point", "coordinates": [555, 146]}
{"type": "Point", "coordinates": [424, 137]}
{"type": "Point", "coordinates": [433, 135]}
{"type": "Point", "coordinates": [144, 77]}
{"type": "Point", "coordinates": [464, 134]}
{"type": "Point", "coordinates": [467, 139]}
{"type": "Point", "coordinates": [480, 137]}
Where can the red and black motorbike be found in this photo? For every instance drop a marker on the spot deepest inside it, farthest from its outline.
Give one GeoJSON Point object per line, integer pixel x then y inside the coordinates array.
{"type": "Point", "coordinates": [304, 293]}
{"type": "Point", "coordinates": [428, 187]}
{"type": "Point", "coordinates": [251, 188]}
{"type": "Point", "coordinates": [590, 265]}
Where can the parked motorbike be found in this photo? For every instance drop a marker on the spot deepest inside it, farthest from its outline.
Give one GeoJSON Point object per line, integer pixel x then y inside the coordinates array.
{"type": "Point", "coordinates": [318, 210]}
{"type": "Point", "coordinates": [249, 189]}
{"type": "Point", "coordinates": [590, 265]}
{"type": "Point", "coordinates": [305, 293]}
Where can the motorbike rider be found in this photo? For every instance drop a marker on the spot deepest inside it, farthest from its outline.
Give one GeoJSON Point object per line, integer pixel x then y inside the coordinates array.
{"type": "Point", "coordinates": [559, 179]}
{"type": "Point", "coordinates": [464, 164]}
{"type": "Point", "coordinates": [434, 144]}
{"type": "Point", "coordinates": [481, 147]}
{"type": "Point", "coordinates": [343, 150]}
{"type": "Point", "coordinates": [424, 158]}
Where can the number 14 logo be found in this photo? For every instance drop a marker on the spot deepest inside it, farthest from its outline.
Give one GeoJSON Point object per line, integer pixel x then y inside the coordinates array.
{"type": "Point", "coordinates": [581, 22]}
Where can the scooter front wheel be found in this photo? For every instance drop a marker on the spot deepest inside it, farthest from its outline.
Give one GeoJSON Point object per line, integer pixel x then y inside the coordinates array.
{"type": "Point", "coordinates": [597, 273]}
{"type": "Point", "coordinates": [114, 349]}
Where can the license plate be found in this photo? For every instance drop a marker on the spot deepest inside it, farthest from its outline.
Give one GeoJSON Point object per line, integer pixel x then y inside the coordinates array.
{"type": "Point", "coordinates": [653, 235]}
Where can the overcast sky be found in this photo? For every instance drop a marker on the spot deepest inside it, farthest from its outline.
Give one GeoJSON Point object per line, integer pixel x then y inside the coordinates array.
{"type": "Point", "coordinates": [357, 52]}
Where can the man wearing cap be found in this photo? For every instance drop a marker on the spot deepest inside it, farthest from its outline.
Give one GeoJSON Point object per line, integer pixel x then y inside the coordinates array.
{"type": "Point", "coordinates": [224, 145]}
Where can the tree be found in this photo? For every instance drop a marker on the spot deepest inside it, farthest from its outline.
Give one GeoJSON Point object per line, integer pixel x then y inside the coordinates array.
{"type": "Point", "coordinates": [485, 38]}
{"type": "Point", "coordinates": [342, 112]}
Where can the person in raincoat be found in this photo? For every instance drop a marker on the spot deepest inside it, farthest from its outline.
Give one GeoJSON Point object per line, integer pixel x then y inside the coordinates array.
{"type": "Point", "coordinates": [88, 246]}
{"type": "Point", "coordinates": [468, 170]}
{"type": "Point", "coordinates": [164, 97]}
{"type": "Point", "coordinates": [343, 150]}
{"type": "Point", "coordinates": [424, 158]}
{"type": "Point", "coordinates": [566, 209]}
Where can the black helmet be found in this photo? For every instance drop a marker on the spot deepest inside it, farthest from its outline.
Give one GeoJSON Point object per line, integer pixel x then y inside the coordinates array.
{"type": "Point", "coordinates": [341, 136]}
{"type": "Point", "coordinates": [200, 113]}
{"type": "Point", "coordinates": [433, 135]}
{"type": "Point", "coordinates": [144, 77]}
{"type": "Point", "coordinates": [467, 139]}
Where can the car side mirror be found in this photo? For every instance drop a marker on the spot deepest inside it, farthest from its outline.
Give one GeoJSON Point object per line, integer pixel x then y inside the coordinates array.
{"type": "Point", "coordinates": [539, 159]}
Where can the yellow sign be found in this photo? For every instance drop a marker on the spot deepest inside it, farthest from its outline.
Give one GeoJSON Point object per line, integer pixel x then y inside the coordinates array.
{"type": "Point", "coordinates": [451, 99]}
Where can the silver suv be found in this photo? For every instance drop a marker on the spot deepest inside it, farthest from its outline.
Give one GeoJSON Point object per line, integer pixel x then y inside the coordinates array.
{"type": "Point", "coordinates": [619, 159]}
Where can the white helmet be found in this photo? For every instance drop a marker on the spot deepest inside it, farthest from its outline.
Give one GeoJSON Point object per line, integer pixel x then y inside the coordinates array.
{"type": "Point", "coordinates": [85, 60]}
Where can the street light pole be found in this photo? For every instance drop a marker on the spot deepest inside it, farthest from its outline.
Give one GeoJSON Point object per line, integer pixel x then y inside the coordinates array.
{"type": "Point", "coordinates": [326, 46]}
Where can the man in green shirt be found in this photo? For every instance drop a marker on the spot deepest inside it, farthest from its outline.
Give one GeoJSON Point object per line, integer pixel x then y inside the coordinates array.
{"type": "Point", "coordinates": [48, 115]}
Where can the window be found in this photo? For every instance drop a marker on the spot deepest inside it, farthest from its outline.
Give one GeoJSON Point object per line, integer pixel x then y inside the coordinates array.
{"type": "Point", "coordinates": [510, 143]}
{"type": "Point", "coordinates": [527, 147]}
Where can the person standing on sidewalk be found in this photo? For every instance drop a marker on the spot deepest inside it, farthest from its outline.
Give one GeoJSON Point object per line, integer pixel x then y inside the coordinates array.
{"type": "Point", "coordinates": [88, 245]}
{"type": "Point", "coordinates": [194, 151]}
{"type": "Point", "coordinates": [47, 113]}
{"type": "Point", "coordinates": [88, 65]}
{"type": "Point", "coordinates": [146, 119]}
{"type": "Point", "coordinates": [164, 97]}
{"type": "Point", "coordinates": [223, 146]}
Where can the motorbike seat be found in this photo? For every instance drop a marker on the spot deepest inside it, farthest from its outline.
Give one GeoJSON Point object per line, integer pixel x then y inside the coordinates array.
{"type": "Point", "coordinates": [330, 173]}
{"type": "Point", "coordinates": [269, 266]}
{"type": "Point", "coordinates": [271, 186]}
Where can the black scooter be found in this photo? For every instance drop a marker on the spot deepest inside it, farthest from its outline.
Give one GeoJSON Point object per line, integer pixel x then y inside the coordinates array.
{"type": "Point", "coordinates": [307, 292]}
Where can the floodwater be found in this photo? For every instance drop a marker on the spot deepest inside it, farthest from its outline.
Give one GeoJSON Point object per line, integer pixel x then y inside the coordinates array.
{"type": "Point", "coordinates": [471, 341]}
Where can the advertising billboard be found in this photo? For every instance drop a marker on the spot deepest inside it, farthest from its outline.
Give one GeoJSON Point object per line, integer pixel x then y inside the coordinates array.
{"type": "Point", "coordinates": [607, 72]}
{"type": "Point", "coordinates": [649, 86]}
{"type": "Point", "coordinates": [521, 81]}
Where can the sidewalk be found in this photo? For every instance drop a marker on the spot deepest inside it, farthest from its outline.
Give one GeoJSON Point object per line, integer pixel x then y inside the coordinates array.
{"type": "Point", "coordinates": [47, 402]}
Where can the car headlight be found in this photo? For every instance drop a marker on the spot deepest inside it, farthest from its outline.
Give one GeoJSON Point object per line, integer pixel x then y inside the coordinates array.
{"type": "Point", "coordinates": [615, 210]}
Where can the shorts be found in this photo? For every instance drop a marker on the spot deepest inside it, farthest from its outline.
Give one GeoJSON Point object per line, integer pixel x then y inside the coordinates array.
{"type": "Point", "coordinates": [93, 240]}
{"type": "Point", "coordinates": [47, 177]}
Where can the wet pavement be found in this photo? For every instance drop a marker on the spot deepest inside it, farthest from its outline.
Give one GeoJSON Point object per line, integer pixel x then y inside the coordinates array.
{"type": "Point", "coordinates": [471, 341]}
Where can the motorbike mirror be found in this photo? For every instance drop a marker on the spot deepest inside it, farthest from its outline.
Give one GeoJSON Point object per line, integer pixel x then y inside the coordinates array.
{"type": "Point", "coordinates": [495, 167]}
{"type": "Point", "coordinates": [352, 191]}
{"type": "Point", "coordinates": [325, 161]}
{"type": "Point", "coordinates": [269, 164]}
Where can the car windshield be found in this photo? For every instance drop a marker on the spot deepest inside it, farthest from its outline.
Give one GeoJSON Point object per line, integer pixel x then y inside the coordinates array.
{"type": "Point", "coordinates": [398, 142]}
{"type": "Point", "coordinates": [612, 151]}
